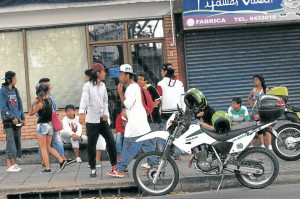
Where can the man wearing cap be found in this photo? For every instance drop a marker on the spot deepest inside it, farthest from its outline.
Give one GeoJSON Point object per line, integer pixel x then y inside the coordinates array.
{"type": "Point", "coordinates": [94, 99]}
{"type": "Point", "coordinates": [172, 93]}
{"type": "Point", "coordinates": [137, 121]}
{"type": "Point", "coordinates": [13, 118]}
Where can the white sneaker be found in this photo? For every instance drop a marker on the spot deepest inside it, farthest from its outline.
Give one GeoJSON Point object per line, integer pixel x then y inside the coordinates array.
{"type": "Point", "coordinates": [263, 146]}
{"type": "Point", "coordinates": [78, 160]}
{"type": "Point", "coordinates": [17, 167]}
{"type": "Point", "coordinates": [12, 169]}
{"type": "Point", "coordinates": [146, 166]}
{"type": "Point", "coordinates": [250, 146]}
{"type": "Point", "coordinates": [270, 148]}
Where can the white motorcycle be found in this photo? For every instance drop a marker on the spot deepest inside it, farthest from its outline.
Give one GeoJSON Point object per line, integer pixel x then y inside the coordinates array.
{"type": "Point", "coordinates": [211, 153]}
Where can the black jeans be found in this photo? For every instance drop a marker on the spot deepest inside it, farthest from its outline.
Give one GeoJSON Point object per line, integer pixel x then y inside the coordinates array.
{"type": "Point", "coordinates": [93, 131]}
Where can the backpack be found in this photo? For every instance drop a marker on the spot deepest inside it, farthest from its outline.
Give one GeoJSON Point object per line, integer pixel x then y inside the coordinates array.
{"type": "Point", "coordinates": [147, 101]}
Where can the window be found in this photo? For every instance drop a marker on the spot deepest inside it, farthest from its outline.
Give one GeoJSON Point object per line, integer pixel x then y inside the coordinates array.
{"type": "Point", "coordinates": [59, 54]}
{"type": "Point", "coordinates": [107, 31]}
{"type": "Point", "coordinates": [148, 58]}
{"type": "Point", "coordinates": [145, 29]}
{"type": "Point", "coordinates": [12, 58]}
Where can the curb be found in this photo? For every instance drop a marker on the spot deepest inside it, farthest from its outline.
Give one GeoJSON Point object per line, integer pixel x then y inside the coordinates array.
{"type": "Point", "coordinates": [186, 184]}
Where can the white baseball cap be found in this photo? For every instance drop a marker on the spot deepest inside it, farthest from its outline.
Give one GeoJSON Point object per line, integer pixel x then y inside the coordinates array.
{"type": "Point", "coordinates": [126, 68]}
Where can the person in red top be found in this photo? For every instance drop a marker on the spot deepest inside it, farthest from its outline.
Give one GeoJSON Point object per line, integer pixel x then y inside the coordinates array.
{"type": "Point", "coordinates": [120, 129]}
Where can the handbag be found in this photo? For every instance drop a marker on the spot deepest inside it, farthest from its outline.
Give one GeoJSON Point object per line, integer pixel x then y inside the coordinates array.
{"type": "Point", "coordinates": [56, 123]}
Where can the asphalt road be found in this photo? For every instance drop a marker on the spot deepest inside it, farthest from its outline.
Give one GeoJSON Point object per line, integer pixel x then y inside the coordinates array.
{"type": "Point", "coordinates": [272, 192]}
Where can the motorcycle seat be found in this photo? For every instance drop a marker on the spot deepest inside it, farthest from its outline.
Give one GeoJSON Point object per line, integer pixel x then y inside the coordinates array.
{"type": "Point", "coordinates": [296, 109]}
{"type": "Point", "coordinates": [234, 131]}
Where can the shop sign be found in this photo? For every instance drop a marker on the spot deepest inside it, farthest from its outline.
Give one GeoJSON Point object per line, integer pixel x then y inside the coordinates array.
{"type": "Point", "coordinates": [114, 72]}
{"type": "Point", "coordinates": [205, 13]}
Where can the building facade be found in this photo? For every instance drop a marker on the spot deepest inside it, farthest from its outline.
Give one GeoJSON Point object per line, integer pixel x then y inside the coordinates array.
{"type": "Point", "coordinates": [61, 40]}
{"type": "Point", "coordinates": [226, 43]}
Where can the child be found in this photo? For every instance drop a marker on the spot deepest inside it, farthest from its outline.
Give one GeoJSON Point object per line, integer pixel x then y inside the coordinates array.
{"type": "Point", "coordinates": [120, 128]}
{"type": "Point", "coordinates": [238, 113]}
{"type": "Point", "coordinates": [72, 130]}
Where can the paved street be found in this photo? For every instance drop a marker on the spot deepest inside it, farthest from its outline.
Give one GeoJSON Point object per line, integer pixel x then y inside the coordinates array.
{"type": "Point", "coordinates": [290, 191]}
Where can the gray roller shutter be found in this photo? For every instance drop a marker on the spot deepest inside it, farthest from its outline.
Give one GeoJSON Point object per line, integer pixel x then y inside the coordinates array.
{"type": "Point", "coordinates": [221, 62]}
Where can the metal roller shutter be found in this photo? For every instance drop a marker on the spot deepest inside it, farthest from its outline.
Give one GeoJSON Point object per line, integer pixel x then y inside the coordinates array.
{"type": "Point", "coordinates": [221, 62]}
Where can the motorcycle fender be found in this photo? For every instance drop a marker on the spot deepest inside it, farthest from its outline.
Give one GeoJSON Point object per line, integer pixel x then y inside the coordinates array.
{"type": "Point", "coordinates": [155, 134]}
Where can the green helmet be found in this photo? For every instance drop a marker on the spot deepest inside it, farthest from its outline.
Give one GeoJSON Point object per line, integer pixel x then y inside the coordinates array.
{"type": "Point", "coordinates": [195, 99]}
{"type": "Point", "coordinates": [221, 122]}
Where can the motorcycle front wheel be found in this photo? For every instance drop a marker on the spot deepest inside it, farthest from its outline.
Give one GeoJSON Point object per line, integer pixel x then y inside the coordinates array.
{"type": "Point", "coordinates": [257, 158]}
{"type": "Point", "coordinates": [143, 177]}
{"type": "Point", "coordinates": [285, 147]}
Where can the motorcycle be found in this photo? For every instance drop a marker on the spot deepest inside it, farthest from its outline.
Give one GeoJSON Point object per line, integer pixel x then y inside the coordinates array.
{"type": "Point", "coordinates": [211, 153]}
{"type": "Point", "coordinates": [287, 147]}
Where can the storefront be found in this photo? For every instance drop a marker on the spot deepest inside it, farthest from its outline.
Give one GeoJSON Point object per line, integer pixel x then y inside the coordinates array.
{"type": "Point", "coordinates": [227, 42]}
{"type": "Point", "coordinates": [61, 40]}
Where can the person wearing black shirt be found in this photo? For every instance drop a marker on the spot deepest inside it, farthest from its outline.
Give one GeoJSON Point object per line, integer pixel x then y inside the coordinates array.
{"type": "Point", "coordinates": [205, 116]}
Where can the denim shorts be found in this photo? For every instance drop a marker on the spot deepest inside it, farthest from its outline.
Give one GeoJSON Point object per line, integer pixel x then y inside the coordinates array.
{"type": "Point", "coordinates": [44, 129]}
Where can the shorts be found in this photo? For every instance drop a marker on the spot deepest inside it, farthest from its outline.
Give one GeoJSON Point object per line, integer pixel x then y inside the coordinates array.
{"type": "Point", "coordinates": [45, 129]}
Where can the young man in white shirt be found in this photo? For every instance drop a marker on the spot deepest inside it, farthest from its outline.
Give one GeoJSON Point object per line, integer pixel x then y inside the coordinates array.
{"type": "Point", "coordinates": [72, 129]}
{"type": "Point", "coordinates": [172, 94]}
{"type": "Point", "coordinates": [94, 100]}
{"type": "Point", "coordinates": [137, 121]}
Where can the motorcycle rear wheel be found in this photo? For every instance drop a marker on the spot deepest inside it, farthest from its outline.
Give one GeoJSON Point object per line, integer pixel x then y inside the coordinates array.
{"type": "Point", "coordinates": [282, 148]}
{"type": "Point", "coordinates": [258, 181]}
{"type": "Point", "coordinates": [168, 178]}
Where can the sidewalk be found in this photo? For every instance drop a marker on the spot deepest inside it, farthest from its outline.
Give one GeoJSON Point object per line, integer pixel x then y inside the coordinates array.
{"type": "Point", "coordinates": [76, 177]}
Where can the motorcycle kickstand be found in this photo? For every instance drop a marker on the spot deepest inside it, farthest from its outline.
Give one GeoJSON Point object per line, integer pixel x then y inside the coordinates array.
{"type": "Point", "coordinates": [220, 183]}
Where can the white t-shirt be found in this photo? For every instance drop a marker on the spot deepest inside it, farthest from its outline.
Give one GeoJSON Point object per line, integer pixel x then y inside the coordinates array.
{"type": "Point", "coordinates": [172, 94]}
{"type": "Point", "coordinates": [72, 124]}
{"type": "Point", "coordinates": [137, 117]}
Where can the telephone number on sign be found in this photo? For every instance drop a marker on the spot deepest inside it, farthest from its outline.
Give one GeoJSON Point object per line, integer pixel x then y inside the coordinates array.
{"type": "Point", "coordinates": [262, 18]}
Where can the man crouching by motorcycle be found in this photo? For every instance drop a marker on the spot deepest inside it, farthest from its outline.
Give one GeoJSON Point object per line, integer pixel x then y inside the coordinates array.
{"type": "Point", "coordinates": [203, 112]}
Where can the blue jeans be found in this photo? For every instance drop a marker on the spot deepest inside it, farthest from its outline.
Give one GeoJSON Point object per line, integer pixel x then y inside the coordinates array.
{"type": "Point", "coordinates": [119, 142]}
{"type": "Point", "coordinates": [131, 148]}
{"type": "Point", "coordinates": [161, 143]}
{"type": "Point", "coordinates": [13, 143]}
{"type": "Point", "coordinates": [56, 144]}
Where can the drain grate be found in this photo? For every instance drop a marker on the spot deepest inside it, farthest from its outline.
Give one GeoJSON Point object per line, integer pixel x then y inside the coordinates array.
{"type": "Point", "coordinates": [87, 193]}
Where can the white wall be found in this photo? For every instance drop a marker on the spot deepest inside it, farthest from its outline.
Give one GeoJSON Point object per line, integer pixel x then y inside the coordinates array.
{"type": "Point", "coordinates": [37, 15]}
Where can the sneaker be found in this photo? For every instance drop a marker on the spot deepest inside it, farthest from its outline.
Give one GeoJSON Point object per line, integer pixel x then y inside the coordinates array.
{"type": "Point", "coordinates": [116, 174]}
{"type": "Point", "coordinates": [263, 146]}
{"type": "Point", "coordinates": [62, 165]}
{"type": "Point", "coordinates": [46, 171]}
{"type": "Point", "coordinates": [270, 148]}
{"type": "Point", "coordinates": [93, 173]}
{"type": "Point", "coordinates": [98, 164]}
{"type": "Point", "coordinates": [12, 169]}
{"type": "Point", "coordinates": [70, 161]}
{"type": "Point", "coordinates": [146, 166]}
{"type": "Point", "coordinates": [78, 160]}
{"type": "Point", "coordinates": [18, 167]}
{"type": "Point", "coordinates": [251, 146]}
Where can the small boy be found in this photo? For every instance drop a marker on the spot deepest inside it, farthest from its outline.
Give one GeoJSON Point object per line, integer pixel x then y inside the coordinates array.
{"type": "Point", "coordinates": [72, 130]}
{"type": "Point", "coordinates": [120, 129]}
{"type": "Point", "coordinates": [238, 113]}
